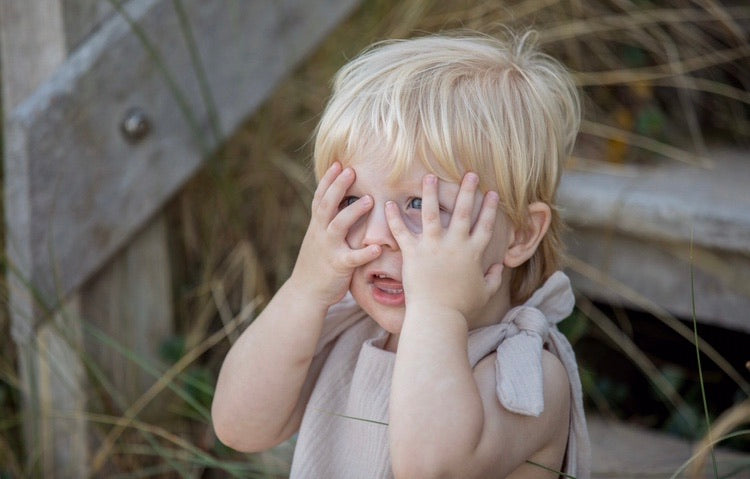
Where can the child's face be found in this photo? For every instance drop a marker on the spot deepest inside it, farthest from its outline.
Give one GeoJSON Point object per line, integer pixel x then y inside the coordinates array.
{"type": "Point", "coordinates": [377, 286]}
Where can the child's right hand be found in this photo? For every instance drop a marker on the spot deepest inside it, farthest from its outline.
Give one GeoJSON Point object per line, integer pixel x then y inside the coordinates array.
{"type": "Point", "coordinates": [326, 262]}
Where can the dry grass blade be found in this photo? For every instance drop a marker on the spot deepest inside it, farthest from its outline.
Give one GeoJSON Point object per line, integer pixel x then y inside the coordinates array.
{"type": "Point", "coordinates": [530, 7]}
{"type": "Point", "coordinates": [8, 459]}
{"type": "Point", "coordinates": [708, 86]}
{"type": "Point", "coordinates": [669, 320]}
{"type": "Point", "coordinates": [638, 357]}
{"type": "Point", "coordinates": [299, 177]}
{"type": "Point", "coordinates": [683, 93]}
{"type": "Point", "coordinates": [706, 260]}
{"type": "Point", "coordinates": [101, 455]}
{"type": "Point", "coordinates": [666, 70]}
{"type": "Point", "coordinates": [225, 312]}
{"type": "Point", "coordinates": [730, 420]}
{"type": "Point", "coordinates": [726, 17]}
{"type": "Point", "coordinates": [632, 20]}
{"type": "Point", "coordinates": [403, 19]}
{"type": "Point", "coordinates": [611, 133]}
{"type": "Point", "coordinates": [126, 423]}
{"type": "Point", "coordinates": [242, 267]}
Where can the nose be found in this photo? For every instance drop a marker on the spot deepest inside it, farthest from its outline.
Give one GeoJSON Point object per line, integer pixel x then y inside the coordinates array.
{"type": "Point", "coordinates": [376, 229]}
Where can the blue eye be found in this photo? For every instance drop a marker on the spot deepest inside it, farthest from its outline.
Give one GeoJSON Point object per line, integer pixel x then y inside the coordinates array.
{"type": "Point", "coordinates": [347, 201]}
{"type": "Point", "coordinates": [415, 203]}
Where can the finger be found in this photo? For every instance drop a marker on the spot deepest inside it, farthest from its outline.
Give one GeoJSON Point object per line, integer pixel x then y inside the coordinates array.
{"type": "Point", "coordinates": [463, 211]}
{"type": "Point", "coordinates": [396, 223]}
{"type": "Point", "coordinates": [485, 225]}
{"type": "Point", "coordinates": [325, 182]}
{"type": "Point", "coordinates": [329, 203]}
{"type": "Point", "coordinates": [494, 278]}
{"type": "Point", "coordinates": [430, 206]}
{"type": "Point", "coordinates": [344, 220]}
{"type": "Point", "coordinates": [358, 257]}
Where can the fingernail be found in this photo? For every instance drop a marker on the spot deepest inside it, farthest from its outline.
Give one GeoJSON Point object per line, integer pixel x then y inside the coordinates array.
{"type": "Point", "coordinates": [472, 178]}
{"type": "Point", "coordinates": [493, 196]}
{"type": "Point", "coordinates": [430, 179]}
{"type": "Point", "coordinates": [366, 200]}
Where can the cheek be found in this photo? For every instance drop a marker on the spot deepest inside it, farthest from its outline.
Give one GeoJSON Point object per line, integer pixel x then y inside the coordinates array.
{"type": "Point", "coordinates": [497, 246]}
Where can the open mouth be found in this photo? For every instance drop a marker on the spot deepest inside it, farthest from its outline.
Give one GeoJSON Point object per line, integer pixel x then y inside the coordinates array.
{"type": "Point", "coordinates": [387, 290]}
{"type": "Point", "coordinates": [387, 284]}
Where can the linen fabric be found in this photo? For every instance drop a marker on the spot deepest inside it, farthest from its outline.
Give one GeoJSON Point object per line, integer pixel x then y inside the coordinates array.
{"type": "Point", "coordinates": [344, 430]}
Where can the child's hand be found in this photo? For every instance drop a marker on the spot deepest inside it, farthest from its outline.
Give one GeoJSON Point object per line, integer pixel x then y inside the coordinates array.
{"type": "Point", "coordinates": [325, 262]}
{"type": "Point", "coordinates": [442, 267]}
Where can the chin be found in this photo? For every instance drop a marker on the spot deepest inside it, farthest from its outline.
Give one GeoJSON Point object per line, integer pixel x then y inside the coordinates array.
{"type": "Point", "coordinates": [389, 322]}
{"type": "Point", "coordinates": [386, 310]}
{"type": "Point", "coordinates": [390, 318]}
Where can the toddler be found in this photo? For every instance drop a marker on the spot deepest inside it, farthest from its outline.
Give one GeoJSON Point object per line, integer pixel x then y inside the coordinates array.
{"type": "Point", "coordinates": [416, 336]}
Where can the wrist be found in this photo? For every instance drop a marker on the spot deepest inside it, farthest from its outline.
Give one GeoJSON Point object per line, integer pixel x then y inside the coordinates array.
{"type": "Point", "coordinates": [431, 310]}
{"type": "Point", "coordinates": [429, 326]}
{"type": "Point", "coordinates": [301, 293]}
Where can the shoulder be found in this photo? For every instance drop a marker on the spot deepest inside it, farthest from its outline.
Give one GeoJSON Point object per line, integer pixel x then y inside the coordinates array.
{"type": "Point", "coordinates": [556, 382]}
{"type": "Point", "coordinates": [520, 437]}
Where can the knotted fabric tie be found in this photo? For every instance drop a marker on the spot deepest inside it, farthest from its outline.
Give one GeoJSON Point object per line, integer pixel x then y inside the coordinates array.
{"type": "Point", "coordinates": [520, 378]}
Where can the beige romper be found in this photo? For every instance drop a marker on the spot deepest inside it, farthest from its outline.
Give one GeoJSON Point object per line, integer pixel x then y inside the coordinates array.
{"type": "Point", "coordinates": [344, 431]}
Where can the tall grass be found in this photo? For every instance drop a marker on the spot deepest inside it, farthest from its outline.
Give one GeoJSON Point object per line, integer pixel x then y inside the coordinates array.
{"type": "Point", "coordinates": [655, 76]}
{"type": "Point", "coordinates": [660, 83]}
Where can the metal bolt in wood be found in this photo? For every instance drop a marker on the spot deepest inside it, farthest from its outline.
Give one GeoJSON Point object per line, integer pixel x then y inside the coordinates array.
{"type": "Point", "coordinates": [136, 125]}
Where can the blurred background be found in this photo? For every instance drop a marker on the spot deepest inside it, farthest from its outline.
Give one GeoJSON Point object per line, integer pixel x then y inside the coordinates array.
{"type": "Point", "coordinates": [655, 196]}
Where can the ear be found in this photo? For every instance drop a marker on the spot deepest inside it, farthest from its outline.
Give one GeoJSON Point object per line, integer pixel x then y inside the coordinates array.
{"type": "Point", "coordinates": [524, 241]}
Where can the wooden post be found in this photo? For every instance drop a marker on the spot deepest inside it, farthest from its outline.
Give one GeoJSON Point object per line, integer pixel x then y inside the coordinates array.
{"type": "Point", "coordinates": [129, 299]}
{"type": "Point", "coordinates": [49, 366]}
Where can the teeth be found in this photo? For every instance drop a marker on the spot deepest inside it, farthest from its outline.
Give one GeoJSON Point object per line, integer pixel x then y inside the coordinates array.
{"type": "Point", "coordinates": [392, 291]}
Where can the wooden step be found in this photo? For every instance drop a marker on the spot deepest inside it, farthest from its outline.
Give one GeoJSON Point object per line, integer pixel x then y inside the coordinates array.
{"type": "Point", "coordinates": [621, 451]}
{"type": "Point", "coordinates": [633, 225]}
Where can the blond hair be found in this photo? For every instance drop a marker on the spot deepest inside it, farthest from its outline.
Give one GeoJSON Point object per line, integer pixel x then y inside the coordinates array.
{"type": "Point", "coordinates": [500, 108]}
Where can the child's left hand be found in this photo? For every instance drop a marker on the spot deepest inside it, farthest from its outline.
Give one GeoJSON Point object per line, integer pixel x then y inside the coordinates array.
{"type": "Point", "coordinates": [442, 267]}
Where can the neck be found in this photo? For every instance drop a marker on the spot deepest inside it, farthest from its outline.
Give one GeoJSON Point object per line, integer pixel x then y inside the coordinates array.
{"type": "Point", "coordinates": [391, 344]}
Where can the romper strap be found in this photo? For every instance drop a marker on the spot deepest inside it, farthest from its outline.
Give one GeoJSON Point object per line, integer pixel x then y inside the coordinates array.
{"type": "Point", "coordinates": [520, 379]}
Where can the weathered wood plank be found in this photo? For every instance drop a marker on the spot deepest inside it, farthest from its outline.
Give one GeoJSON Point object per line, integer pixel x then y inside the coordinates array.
{"type": "Point", "coordinates": [29, 27]}
{"type": "Point", "coordinates": [50, 369]}
{"type": "Point", "coordinates": [636, 225]}
{"type": "Point", "coordinates": [624, 451]}
{"type": "Point", "coordinates": [81, 17]}
{"type": "Point", "coordinates": [130, 301]}
{"type": "Point", "coordinates": [61, 430]}
{"type": "Point", "coordinates": [66, 141]}
{"type": "Point", "coordinates": [667, 201]}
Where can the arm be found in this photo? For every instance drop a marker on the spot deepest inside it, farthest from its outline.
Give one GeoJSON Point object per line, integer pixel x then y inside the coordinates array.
{"type": "Point", "coordinates": [445, 418]}
{"type": "Point", "coordinates": [263, 384]}
{"type": "Point", "coordinates": [462, 430]}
